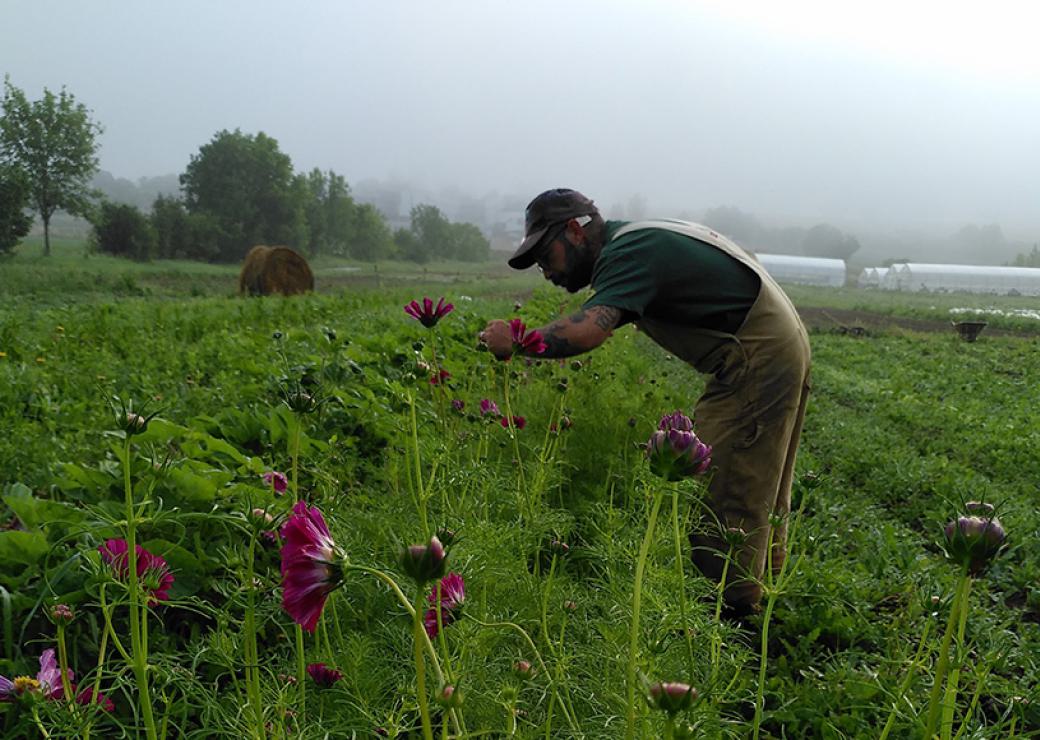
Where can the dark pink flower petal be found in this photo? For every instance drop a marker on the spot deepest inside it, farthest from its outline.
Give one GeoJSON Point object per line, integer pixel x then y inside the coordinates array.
{"type": "Point", "coordinates": [427, 314]}
{"type": "Point", "coordinates": [86, 698]}
{"type": "Point", "coordinates": [310, 565]}
{"type": "Point", "coordinates": [323, 675]}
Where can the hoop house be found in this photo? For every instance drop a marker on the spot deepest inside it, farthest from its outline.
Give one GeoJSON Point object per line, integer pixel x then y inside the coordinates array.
{"type": "Point", "coordinates": [919, 276]}
{"type": "Point", "coordinates": [787, 268]}
{"type": "Point", "coordinates": [872, 277]}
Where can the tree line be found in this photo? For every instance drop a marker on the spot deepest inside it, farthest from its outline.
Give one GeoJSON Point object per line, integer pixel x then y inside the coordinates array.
{"type": "Point", "coordinates": [237, 191]}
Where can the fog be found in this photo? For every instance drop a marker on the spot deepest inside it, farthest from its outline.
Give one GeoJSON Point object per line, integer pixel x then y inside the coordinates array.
{"type": "Point", "coordinates": [901, 119]}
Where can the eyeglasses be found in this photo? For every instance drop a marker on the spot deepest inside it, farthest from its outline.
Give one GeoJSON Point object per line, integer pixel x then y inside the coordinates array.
{"type": "Point", "coordinates": [542, 252]}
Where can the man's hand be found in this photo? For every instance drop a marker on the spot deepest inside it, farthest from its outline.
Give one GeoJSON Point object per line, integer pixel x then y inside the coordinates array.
{"type": "Point", "coordinates": [498, 338]}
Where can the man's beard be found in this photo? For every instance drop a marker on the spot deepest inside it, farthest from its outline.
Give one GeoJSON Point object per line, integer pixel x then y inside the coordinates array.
{"type": "Point", "coordinates": [580, 263]}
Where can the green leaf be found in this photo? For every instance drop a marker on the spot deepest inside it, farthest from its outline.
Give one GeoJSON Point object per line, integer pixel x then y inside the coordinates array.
{"type": "Point", "coordinates": [188, 572]}
{"type": "Point", "coordinates": [34, 512]}
{"type": "Point", "coordinates": [21, 548]}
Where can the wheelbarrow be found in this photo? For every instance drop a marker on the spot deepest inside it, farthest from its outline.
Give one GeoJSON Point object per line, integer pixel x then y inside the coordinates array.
{"type": "Point", "coordinates": [969, 330]}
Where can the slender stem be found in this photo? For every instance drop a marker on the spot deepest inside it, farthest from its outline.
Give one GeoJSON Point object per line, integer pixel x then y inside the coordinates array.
{"type": "Point", "coordinates": [773, 590]}
{"type": "Point", "coordinates": [545, 603]}
{"type": "Point", "coordinates": [420, 665]}
{"type": "Point", "coordinates": [637, 594]}
{"type": "Point", "coordinates": [716, 638]}
{"type": "Point", "coordinates": [100, 666]}
{"type": "Point", "coordinates": [906, 680]}
{"type": "Point", "coordinates": [420, 494]}
{"type": "Point", "coordinates": [63, 663]}
{"type": "Point", "coordinates": [301, 671]}
{"type": "Point", "coordinates": [295, 453]}
{"type": "Point", "coordinates": [669, 727]}
{"type": "Point", "coordinates": [512, 433]}
{"type": "Point", "coordinates": [109, 630]}
{"type": "Point", "coordinates": [950, 700]}
{"type": "Point", "coordinates": [682, 581]}
{"type": "Point", "coordinates": [252, 654]}
{"type": "Point", "coordinates": [39, 724]}
{"type": "Point", "coordinates": [935, 697]}
{"type": "Point", "coordinates": [137, 647]}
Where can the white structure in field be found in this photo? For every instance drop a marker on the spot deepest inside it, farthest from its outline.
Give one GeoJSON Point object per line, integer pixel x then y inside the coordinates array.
{"type": "Point", "coordinates": [872, 277]}
{"type": "Point", "coordinates": [918, 276]}
{"type": "Point", "coordinates": [787, 268]}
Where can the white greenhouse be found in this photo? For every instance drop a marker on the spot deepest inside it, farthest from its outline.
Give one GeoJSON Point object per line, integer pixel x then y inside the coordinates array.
{"type": "Point", "coordinates": [917, 276]}
{"type": "Point", "coordinates": [787, 268]}
{"type": "Point", "coordinates": [872, 277]}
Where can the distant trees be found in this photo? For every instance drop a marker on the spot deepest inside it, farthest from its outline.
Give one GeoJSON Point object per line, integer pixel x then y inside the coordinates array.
{"type": "Point", "coordinates": [124, 231]}
{"type": "Point", "coordinates": [824, 240]}
{"type": "Point", "coordinates": [14, 201]}
{"type": "Point", "coordinates": [432, 236]}
{"type": "Point", "coordinates": [1028, 259]}
{"type": "Point", "coordinates": [53, 141]}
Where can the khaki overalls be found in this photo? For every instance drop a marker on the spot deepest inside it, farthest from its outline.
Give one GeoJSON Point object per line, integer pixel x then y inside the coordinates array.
{"type": "Point", "coordinates": [751, 413]}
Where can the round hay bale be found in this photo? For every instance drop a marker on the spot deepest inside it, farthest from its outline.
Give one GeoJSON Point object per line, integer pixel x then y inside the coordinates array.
{"type": "Point", "coordinates": [268, 270]}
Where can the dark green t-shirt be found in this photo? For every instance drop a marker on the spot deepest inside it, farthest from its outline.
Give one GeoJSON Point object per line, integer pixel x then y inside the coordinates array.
{"type": "Point", "coordinates": [671, 277]}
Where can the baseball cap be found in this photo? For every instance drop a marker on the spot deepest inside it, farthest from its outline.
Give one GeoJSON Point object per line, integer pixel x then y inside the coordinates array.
{"type": "Point", "coordinates": [547, 210]}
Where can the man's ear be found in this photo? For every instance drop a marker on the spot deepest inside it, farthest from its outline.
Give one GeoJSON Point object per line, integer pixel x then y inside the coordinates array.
{"type": "Point", "coordinates": [575, 232]}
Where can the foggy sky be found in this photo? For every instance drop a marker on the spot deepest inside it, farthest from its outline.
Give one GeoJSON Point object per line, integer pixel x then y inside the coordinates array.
{"type": "Point", "coordinates": [904, 116]}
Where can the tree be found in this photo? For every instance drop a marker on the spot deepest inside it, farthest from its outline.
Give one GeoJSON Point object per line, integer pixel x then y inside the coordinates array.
{"type": "Point", "coordinates": [371, 239]}
{"type": "Point", "coordinates": [741, 227]}
{"type": "Point", "coordinates": [14, 200]}
{"type": "Point", "coordinates": [246, 185]}
{"type": "Point", "coordinates": [824, 240]}
{"type": "Point", "coordinates": [54, 142]}
{"type": "Point", "coordinates": [470, 244]}
{"type": "Point", "coordinates": [183, 235]}
{"type": "Point", "coordinates": [433, 231]}
{"type": "Point", "coordinates": [124, 231]}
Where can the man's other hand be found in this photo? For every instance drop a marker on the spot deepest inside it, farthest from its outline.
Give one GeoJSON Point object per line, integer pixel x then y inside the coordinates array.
{"type": "Point", "coordinates": [498, 338]}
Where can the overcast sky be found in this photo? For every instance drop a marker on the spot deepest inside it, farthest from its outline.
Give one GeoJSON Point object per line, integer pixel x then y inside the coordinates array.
{"type": "Point", "coordinates": [923, 114]}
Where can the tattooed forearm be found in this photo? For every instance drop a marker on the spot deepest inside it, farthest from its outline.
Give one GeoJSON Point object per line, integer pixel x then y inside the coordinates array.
{"type": "Point", "coordinates": [606, 317]}
{"type": "Point", "coordinates": [581, 331]}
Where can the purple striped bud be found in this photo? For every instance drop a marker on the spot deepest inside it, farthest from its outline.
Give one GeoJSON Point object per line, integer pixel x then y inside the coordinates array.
{"type": "Point", "coordinates": [676, 420]}
{"type": "Point", "coordinates": [973, 541]}
{"type": "Point", "coordinates": [424, 562]}
{"type": "Point", "coordinates": [672, 697]}
{"type": "Point", "coordinates": [676, 454]}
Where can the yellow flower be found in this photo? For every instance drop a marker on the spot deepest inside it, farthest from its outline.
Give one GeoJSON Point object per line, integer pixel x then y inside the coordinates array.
{"type": "Point", "coordinates": [40, 360]}
{"type": "Point", "coordinates": [3, 355]}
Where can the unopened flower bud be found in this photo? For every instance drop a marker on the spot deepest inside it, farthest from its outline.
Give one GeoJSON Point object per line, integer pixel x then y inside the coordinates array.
{"type": "Point", "coordinates": [523, 670]}
{"type": "Point", "coordinates": [449, 697]}
{"type": "Point", "coordinates": [973, 541]}
{"type": "Point", "coordinates": [558, 548]}
{"type": "Point", "coordinates": [62, 614]}
{"type": "Point", "coordinates": [424, 562]}
{"type": "Point", "coordinates": [446, 536]}
{"type": "Point", "coordinates": [672, 697]}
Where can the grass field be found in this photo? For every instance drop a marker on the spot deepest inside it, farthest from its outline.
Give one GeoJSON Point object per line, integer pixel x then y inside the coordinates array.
{"type": "Point", "coordinates": [903, 428]}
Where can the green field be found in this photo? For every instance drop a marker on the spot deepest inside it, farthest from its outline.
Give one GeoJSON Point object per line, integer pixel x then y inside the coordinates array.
{"type": "Point", "coordinates": [903, 428]}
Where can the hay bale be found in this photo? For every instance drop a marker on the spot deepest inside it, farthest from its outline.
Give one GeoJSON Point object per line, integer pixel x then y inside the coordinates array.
{"type": "Point", "coordinates": [268, 270]}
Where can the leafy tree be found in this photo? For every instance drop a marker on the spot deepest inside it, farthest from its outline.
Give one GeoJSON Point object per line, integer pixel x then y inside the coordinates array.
{"type": "Point", "coordinates": [1029, 259]}
{"type": "Point", "coordinates": [124, 231]}
{"type": "Point", "coordinates": [183, 235]}
{"type": "Point", "coordinates": [14, 200]}
{"type": "Point", "coordinates": [741, 227]}
{"type": "Point", "coordinates": [409, 248]}
{"type": "Point", "coordinates": [470, 244]}
{"type": "Point", "coordinates": [54, 141]}
{"type": "Point", "coordinates": [246, 184]}
{"type": "Point", "coordinates": [371, 238]}
{"type": "Point", "coordinates": [824, 240]}
{"type": "Point", "coordinates": [433, 231]}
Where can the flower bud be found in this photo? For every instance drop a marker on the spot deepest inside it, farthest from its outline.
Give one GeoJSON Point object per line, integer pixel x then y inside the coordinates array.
{"type": "Point", "coordinates": [558, 548]}
{"type": "Point", "coordinates": [523, 670]}
{"type": "Point", "coordinates": [676, 454]}
{"type": "Point", "coordinates": [676, 420]}
{"type": "Point", "coordinates": [973, 541]}
{"type": "Point", "coordinates": [446, 536]}
{"type": "Point", "coordinates": [62, 614]}
{"type": "Point", "coordinates": [449, 697]}
{"type": "Point", "coordinates": [672, 697]}
{"type": "Point", "coordinates": [424, 562]}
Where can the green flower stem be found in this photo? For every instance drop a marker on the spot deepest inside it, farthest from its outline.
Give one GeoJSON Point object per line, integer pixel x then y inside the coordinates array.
{"type": "Point", "coordinates": [39, 723]}
{"type": "Point", "coordinates": [420, 494]}
{"type": "Point", "coordinates": [637, 594]}
{"type": "Point", "coordinates": [251, 653]}
{"type": "Point", "coordinates": [942, 666]}
{"type": "Point", "coordinates": [430, 650]}
{"type": "Point", "coordinates": [669, 727]}
{"type": "Point", "coordinates": [905, 685]}
{"type": "Point", "coordinates": [512, 433]}
{"type": "Point", "coordinates": [301, 671]}
{"type": "Point", "coordinates": [109, 630]}
{"type": "Point", "coordinates": [295, 454]}
{"type": "Point", "coordinates": [420, 665]}
{"type": "Point", "coordinates": [950, 700]}
{"type": "Point", "coordinates": [682, 581]}
{"type": "Point", "coordinates": [772, 591]}
{"type": "Point", "coordinates": [716, 638]}
{"type": "Point", "coordinates": [63, 663]}
{"type": "Point", "coordinates": [541, 664]}
{"type": "Point", "coordinates": [100, 665]}
{"type": "Point", "coordinates": [545, 604]}
{"type": "Point", "coordinates": [137, 646]}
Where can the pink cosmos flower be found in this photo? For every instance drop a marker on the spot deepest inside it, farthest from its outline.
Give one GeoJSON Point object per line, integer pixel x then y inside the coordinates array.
{"type": "Point", "coordinates": [676, 420]}
{"type": "Point", "coordinates": [424, 562]}
{"type": "Point", "coordinates": [524, 341]}
{"type": "Point", "coordinates": [277, 481]}
{"type": "Point", "coordinates": [47, 682]}
{"type": "Point", "coordinates": [677, 454]}
{"type": "Point", "coordinates": [152, 571]}
{"type": "Point", "coordinates": [458, 404]}
{"type": "Point", "coordinates": [323, 675]}
{"type": "Point", "coordinates": [487, 406]}
{"type": "Point", "coordinates": [453, 594]}
{"type": "Point", "coordinates": [518, 421]}
{"type": "Point", "coordinates": [311, 565]}
{"type": "Point", "coordinates": [440, 377]}
{"type": "Point", "coordinates": [86, 698]}
{"type": "Point", "coordinates": [427, 314]}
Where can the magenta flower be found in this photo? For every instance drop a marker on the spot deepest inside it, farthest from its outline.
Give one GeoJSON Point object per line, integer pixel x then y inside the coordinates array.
{"type": "Point", "coordinates": [47, 682]}
{"type": "Point", "coordinates": [676, 420]}
{"type": "Point", "coordinates": [311, 565]}
{"type": "Point", "coordinates": [524, 341]}
{"type": "Point", "coordinates": [453, 594]}
{"type": "Point", "coordinates": [518, 421]}
{"type": "Point", "coordinates": [426, 314]}
{"type": "Point", "coordinates": [440, 377]}
{"type": "Point", "coordinates": [323, 675]}
{"type": "Point", "coordinates": [674, 450]}
{"type": "Point", "coordinates": [152, 571]}
{"type": "Point", "coordinates": [458, 404]}
{"type": "Point", "coordinates": [86, 698]}
{"type": "Point", "coordinates": [489, 407]}
{"type": "Point", "coordinates": [276, 481]}
{"type": "Point", "coordinates": [672, 697]}
{"type": "Point", "coordinates": [424, 562]}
